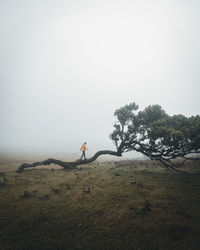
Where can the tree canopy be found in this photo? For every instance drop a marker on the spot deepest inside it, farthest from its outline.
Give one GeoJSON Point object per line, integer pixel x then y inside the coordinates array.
{"type": "Point", "coordinates": [151, 132]}
{"type": "Point", "coordinates": [156, 134]}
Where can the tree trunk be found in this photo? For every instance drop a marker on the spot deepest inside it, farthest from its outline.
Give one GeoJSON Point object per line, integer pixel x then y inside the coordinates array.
{"type": "Point", "coordinates": [67, 165]}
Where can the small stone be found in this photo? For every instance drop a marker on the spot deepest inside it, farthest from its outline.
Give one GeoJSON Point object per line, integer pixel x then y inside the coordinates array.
{"type": "Point", "coordinates": [68, 187]}
{"type": "Point", "coordinates": [56, 191]}
{"type": "Point", "coordinates": [26, 194]}
{"type": "Point", "coordinates": [133, 182]}
{"type": "Point", "coordinates": [88, 190]}
{"type": "Point", "coordinates": [2, 182]}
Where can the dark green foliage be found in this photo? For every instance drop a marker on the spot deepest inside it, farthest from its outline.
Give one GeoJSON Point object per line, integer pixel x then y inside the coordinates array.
{"type": "Point", "coordinates": [155, 134]}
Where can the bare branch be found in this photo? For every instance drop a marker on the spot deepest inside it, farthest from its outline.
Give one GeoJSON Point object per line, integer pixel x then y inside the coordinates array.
{"type": "Point", "coordinates": [67, 165]}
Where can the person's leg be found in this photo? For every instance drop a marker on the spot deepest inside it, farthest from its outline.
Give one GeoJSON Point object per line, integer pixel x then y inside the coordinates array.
{"type": "Point", "coordinates": [82, 155]}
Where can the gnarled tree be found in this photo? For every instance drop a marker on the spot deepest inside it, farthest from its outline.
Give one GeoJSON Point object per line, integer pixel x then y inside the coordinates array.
{"type": "Point", "coordinates": [151, 132]}
{"type": "Point", "coordinates": [157, 135]}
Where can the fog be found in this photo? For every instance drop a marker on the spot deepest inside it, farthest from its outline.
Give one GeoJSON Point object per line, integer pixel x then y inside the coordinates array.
{"type": "Point", "coordinates": [66, 66]}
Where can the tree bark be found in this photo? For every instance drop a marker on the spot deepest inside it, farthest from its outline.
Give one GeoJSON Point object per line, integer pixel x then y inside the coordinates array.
{"type": "Point", "coordinates": [67, 165]}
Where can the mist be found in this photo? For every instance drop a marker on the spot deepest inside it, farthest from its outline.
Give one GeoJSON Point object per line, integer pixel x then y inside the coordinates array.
{"type": "Point", "coordinates": [66, 66]}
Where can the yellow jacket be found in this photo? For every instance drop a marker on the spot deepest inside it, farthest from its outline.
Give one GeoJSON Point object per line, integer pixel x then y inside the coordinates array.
{"type": "Point", "coordinates": [83, 148]}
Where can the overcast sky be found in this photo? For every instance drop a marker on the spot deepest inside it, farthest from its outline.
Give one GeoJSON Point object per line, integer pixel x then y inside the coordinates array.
{"type": "Point", "coordinates": [66, 65]}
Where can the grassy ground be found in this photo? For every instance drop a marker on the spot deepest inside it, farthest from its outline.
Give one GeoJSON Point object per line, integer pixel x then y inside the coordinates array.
{"type": "Point", "coordinates": [105, 205]}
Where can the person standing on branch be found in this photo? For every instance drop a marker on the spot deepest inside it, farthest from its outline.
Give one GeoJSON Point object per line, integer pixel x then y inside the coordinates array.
{"type": "Point", "coordinates": [83, 149]}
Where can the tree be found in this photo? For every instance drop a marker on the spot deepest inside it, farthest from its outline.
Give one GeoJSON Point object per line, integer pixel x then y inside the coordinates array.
{"type": "Point", "coordinates": [151, 132]}
{"type": "Point", "coordinates": [157, 135]}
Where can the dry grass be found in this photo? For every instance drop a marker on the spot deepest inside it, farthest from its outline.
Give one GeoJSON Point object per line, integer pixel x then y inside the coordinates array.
{"type": "Point", "coordinates": [105, 205]}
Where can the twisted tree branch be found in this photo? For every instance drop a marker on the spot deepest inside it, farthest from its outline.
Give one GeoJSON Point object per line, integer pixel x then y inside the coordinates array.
{"type": "Point", "coordinates": [67, 165]}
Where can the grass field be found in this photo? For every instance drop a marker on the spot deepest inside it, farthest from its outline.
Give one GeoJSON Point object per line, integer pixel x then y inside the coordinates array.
{"type": "Point", "coordinates": [135, 205]}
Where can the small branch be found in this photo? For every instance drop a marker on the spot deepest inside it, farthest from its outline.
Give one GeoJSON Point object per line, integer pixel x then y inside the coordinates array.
{"type": "Point", "coordinates": [169, 165]}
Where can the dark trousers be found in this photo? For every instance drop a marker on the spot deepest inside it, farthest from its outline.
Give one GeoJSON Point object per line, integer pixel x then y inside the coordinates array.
{"type": "Point", "coordinates": [83, 155]}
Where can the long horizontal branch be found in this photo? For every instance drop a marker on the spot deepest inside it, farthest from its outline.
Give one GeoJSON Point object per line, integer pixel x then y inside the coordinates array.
{"type": "Point", "coordinates": [67, 165]}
